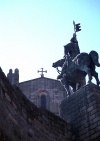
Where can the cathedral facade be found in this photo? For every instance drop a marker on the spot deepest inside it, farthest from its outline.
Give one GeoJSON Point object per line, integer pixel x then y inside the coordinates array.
{"type": "Point", "coordinates": [43, 92]}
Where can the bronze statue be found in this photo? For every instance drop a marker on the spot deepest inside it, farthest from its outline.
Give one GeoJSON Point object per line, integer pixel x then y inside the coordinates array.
{"type": "Point", "coordinates": [75, 65]}
{"type": "Point", "coordinates": [74, 71]}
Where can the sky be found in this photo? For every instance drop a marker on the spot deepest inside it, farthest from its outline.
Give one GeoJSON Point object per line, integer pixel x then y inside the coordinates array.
{"type": "Point", "coordinates": [33, 33]}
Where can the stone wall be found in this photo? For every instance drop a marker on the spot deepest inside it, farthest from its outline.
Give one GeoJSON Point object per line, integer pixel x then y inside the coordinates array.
{"type": "Point", "coordinates": [21, 120]}
{"type": "Point", "coordinates": [82, 111]}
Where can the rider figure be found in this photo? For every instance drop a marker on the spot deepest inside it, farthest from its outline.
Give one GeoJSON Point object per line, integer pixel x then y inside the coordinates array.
{"type": "Point", "coordinates": [71, 50]}
{"type": "Point", "coordinates": [73, 39]}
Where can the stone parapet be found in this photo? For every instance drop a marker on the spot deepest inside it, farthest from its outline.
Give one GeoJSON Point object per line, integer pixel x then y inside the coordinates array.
{"type": "Point", "coordinates": [21, 120]}
{"type": "Point", "coordinates": [82, 111]}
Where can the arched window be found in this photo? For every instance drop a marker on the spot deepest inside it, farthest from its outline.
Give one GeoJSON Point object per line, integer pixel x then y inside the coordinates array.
{"type": "Point", "coordinates": [43, 101]}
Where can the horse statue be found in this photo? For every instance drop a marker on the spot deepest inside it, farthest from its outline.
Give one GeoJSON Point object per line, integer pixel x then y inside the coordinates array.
{"type": "Point", "coordinates": [75, 70]}
{"type": "Point", "coordinates": [71, 49]}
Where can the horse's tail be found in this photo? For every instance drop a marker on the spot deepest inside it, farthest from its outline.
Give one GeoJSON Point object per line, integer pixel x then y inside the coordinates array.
{"type": "Point", "coordinates": [94, 57]}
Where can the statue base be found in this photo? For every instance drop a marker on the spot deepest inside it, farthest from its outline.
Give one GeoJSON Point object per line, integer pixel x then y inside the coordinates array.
{"type": "Point", "coordinates": [82, 111]}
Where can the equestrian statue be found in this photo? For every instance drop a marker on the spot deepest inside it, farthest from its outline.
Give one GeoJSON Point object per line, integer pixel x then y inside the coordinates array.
{"type": "Point", "coordinates": [75, 65]}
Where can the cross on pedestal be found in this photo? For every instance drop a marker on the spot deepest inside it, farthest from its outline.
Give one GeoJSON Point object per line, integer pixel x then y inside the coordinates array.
{"type": "Point", "coordinates": [42, 71]}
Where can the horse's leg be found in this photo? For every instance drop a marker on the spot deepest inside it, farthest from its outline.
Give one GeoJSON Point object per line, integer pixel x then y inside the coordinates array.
{"type": "Point", "coordinates": [89, 75]}
{"type": "Point", "coordinates": [66, 85]}
{"type": "Point", "coordinates": [63, 71]}
{"type": "Point", "coordinates": [82, 83]}
{"type": "Point", "coordinates": [74, 87]}
{"type": "Point", "coordinates": [95, 74]}
{"type": "Point", "coordinates": [87, 70]}
{"type": "Point", "coordinates": [78, 85]}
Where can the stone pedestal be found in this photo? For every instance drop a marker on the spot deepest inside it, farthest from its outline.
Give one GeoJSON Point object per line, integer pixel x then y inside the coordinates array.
{"type": "Point", "coordinates": [82, 111]}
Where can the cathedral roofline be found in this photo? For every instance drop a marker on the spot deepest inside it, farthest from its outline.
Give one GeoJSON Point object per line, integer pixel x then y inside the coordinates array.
{"type": "Point", "coordinates": [38, 79]}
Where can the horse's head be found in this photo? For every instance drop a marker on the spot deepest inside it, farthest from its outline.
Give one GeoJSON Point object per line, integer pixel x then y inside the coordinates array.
{"type": "Point", "coordinates": [54, 65]}
{"type": "Point", "coordinates": [59, 63]}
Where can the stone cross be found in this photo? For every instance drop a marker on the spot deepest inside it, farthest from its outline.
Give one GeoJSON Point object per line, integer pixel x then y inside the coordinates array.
{"type": "Point", "coordinates": [42, 71]}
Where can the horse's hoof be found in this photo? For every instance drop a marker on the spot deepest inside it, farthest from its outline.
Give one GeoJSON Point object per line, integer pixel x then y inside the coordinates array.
{"type": "Point", "coordinates": [98, 83]}
{"type": "Point", "coordinates": [89, 82]}
{"type": "Point", "coordinates": [59, 77]}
